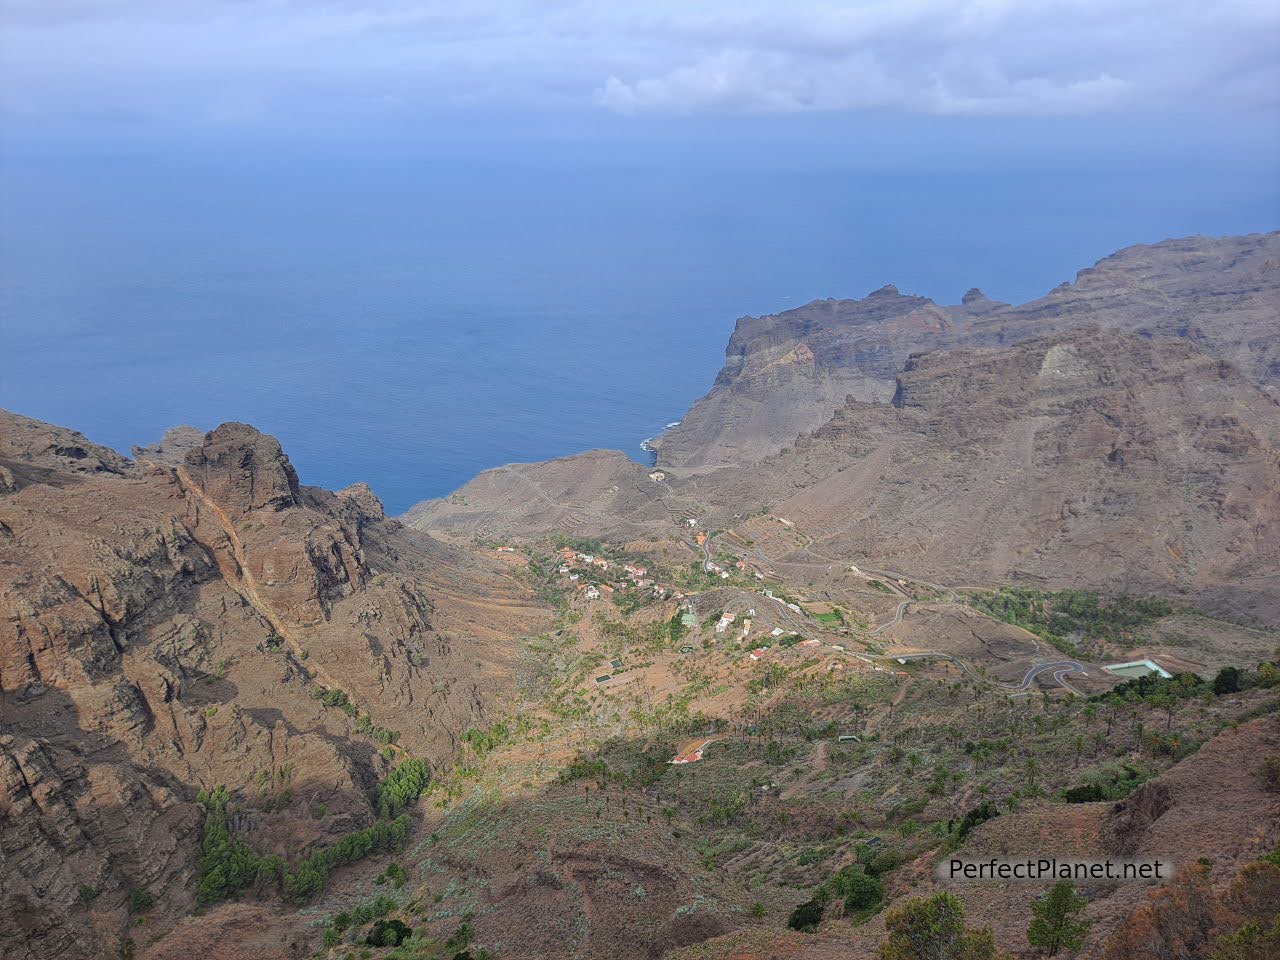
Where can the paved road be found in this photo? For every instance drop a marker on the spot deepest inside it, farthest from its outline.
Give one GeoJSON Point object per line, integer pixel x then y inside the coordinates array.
{"type": "Point", "coordinates": [897, 619]}
{"type": "Point", "coordinates": [1059, 669]}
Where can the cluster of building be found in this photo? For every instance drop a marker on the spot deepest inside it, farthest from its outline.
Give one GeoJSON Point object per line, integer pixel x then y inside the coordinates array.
{"type": "Point", "coordinates": [575, 564]}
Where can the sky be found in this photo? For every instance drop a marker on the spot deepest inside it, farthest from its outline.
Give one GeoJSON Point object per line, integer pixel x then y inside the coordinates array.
{"type": "Point", "coordinates": [301, 65]}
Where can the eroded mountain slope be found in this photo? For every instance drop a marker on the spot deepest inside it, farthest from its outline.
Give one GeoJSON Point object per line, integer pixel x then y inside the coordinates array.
{"type": "Point", "coordinates": [167, 628]}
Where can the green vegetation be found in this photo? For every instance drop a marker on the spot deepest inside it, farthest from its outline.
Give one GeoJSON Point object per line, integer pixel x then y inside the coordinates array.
{"type": "Point", "coordinates": [360, 915]}
{"type": "Point", "coordinates": [370, 729]}
{"type": "Point", "coordinates": [933, 928]}
{"type": "Point", "coordinates": [337, 699]}
{"type": "Point", "coordinates": [807, 916]}
{"type": "Point", "coordinates": [676, 630]}
{"type": "Point", "coordinates": [229, 866]}
{"type": "Point", "coordinates": [1068, 618]}
{"type": "Point", "coordinates": [980, 814]}
{"type": "Point", "coordinates": [309, 877]}
{"type": "Point", "coordinates": [403, 785]}
{"type": "Point", "coordinates": [857, 886]}
{"type": "Point", "coordinates": [500, 734]}
{"type": "Point", "coordinates": [388, 933]}
{"type": "Point", "coordinates": [1055, 920]}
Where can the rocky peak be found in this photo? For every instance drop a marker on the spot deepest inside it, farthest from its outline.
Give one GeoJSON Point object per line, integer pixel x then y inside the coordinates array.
{"type": "Point", "coordinates": [975, 301]}
{"type": "Point", "coordinates": [243, 469]}
{"type": "Point", "coordinates": [364, 502]}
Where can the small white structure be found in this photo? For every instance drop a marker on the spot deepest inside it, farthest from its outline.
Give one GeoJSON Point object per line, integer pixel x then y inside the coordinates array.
{"type": "Point", "coordinates": [775, 632]}
{"type": "Point", "coordinates": [593, 593]}
{"type": "Point", "coordinates": [691, 522]}
{"type": "Point", "coordinates": [657, 476]}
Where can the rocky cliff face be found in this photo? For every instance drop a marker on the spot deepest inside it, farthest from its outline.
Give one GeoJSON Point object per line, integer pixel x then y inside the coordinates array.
{"type": "Point", "coordinates": [1086, 458]}
{"type": "Point", "coordinates": [786, 374]}
{"type": "Point", "coordinates": [165, 626]}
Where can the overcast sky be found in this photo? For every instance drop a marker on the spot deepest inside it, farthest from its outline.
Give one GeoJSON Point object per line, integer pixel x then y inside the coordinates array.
{"type": "Point", "coordinates": [259, 62]}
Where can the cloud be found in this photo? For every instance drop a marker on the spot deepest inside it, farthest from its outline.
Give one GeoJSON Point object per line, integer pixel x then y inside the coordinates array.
{"type": "Point", "coordinates": [970, 57]}
{"type": "Point", "coordinates": [981, 57]}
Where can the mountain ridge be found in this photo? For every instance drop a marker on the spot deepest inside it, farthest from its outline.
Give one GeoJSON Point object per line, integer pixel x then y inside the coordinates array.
{"type": "Point", "coordinates": [784, 374]}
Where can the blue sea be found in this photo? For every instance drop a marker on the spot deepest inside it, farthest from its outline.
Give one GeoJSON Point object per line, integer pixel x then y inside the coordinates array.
{"type": "Point", "coordinates": [409, 313]}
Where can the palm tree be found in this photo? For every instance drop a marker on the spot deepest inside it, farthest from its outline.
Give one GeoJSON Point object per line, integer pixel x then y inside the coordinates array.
{"type": "Point", "coordinates": [1032, 769]}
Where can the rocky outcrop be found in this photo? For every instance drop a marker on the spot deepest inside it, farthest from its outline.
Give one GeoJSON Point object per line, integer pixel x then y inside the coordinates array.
{"type": "Point", "coordinates": [163, 628]}
{"type": "Point", "coordinates": [173, 447]}
{"type": "Point", "coordinates": [242, 470]}
{"type": "Point", "coordinates": [784, 375]}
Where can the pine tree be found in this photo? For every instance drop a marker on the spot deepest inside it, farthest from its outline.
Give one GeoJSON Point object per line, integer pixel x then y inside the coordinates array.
{"type": "Point", "coordinates": [1055, 922]}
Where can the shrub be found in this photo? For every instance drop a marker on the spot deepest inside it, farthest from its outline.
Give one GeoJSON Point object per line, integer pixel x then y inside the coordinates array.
{"type": "Point", "coordinates": [388, 933]}
{"type": "Point", "coordinates": [807, 916]}
{"type": "Point", "coordinates": [1228, 680]}
{"type": "Point", "coordinates": [1087, 793]}
{"type": "Point", "coordinates": [860, 890]}
{"type": "Point", "coordinates": [933, 928]}
{"type": "Point", "coordinates": [980, 814]}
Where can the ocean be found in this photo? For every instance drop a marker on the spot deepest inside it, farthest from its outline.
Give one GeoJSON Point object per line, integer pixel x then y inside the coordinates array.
{"type": "Point", "coordinates": [408, 314]}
